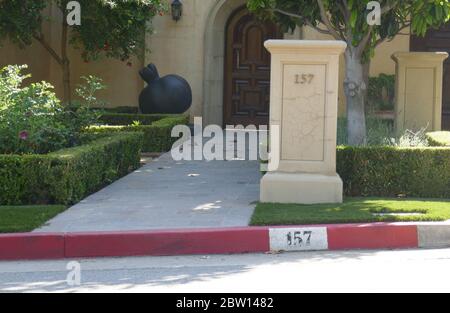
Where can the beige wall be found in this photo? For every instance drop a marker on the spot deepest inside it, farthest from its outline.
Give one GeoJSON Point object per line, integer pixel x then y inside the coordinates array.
{"type": "Point", "coordinates": [35, 57]}
{"type": "Point", "coordinates": [124, 83]}
{"type": "Point", "coordinates": [192, 47]}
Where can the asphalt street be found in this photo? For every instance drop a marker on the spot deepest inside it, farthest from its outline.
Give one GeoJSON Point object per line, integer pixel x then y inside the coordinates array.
{"type": "Point", "coordinates": [350, 271]}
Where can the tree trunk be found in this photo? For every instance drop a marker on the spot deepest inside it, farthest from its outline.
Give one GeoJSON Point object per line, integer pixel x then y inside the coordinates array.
{"type": "Point", "coordinates": [65, 62]}
{"type": "Point", "coordinates": [355, 90]}
{"type": "Point", "coordinates": [66, 82]}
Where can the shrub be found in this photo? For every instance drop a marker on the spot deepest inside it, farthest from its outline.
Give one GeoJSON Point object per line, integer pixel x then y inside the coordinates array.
{"type": "Point", "coordinates": [394, 171]}
{"type": "Point", "coordinates": [379, 132]}
{"type": "Point", "coordinates": [438, 139]}
{"type": "Point", "coordinates": [66, 176]}
{"type": "Point", "coordinates": [157, 136]}
{"type": "Point", "coordinates": [411, 139]}
{"type": "Point", "coordinates": [32, 119]}
{"type": "Point", "coordinates": [381, 93]}
{"type": "Point", "coordinates": [123, 109]}
{"type": "Point", "coordinates": [81, 114]}
{"type": "Point", "coordinates": [121, 119]}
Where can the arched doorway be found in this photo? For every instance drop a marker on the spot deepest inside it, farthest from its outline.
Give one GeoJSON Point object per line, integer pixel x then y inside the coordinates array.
{"type": "Point", "coordinates": [247, 69]}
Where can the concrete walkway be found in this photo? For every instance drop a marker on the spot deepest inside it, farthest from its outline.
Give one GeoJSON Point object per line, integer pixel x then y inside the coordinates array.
{"type": "Point", "coordinates": [167, 194]}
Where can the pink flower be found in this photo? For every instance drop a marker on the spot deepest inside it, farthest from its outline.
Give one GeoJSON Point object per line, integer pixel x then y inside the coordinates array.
{"type": "Point", "coordinates": [23, 135]}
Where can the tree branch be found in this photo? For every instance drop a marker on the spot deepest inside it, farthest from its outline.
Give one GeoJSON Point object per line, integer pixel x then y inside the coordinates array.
{"type": "Point", "coordinates": [47, 46]}
{"type": "Point", "coordinates": [343, 8]}
{"type": "Point", "coordinates": [64, 37]}
{"type": "Point", "coordinates": [307, 22]}
{"type": "Point", "coordinates": [326, 20]}
{"type": "Point", "coordinates": [388, 7]}
{"type": "Point", "coordinates": [363, 43]}
{"type": "Point", "coordinates": [381, 40]}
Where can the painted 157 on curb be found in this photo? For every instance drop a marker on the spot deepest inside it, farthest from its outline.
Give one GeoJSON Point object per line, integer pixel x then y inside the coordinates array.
{"type": "Point", "coordinates": [298, 239]}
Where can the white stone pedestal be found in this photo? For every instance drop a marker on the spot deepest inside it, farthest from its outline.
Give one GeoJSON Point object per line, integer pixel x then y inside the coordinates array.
{"type": "Point", "coordinates": [303, 109]}
{"type": "Point", "coordinates": [419, 90]}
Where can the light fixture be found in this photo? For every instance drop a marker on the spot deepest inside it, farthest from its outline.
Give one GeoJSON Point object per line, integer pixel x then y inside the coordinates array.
{"type": "Point", "coordinates": [177, 10]}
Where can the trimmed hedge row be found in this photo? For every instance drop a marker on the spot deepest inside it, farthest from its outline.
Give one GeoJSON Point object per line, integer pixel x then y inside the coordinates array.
{"type": "Point", "coordinates": [157, 136]}
{"type": "Point", "coordinates": [391, 171]}
{"type": "Point", "coordinates": [69, 175]}
{"type": "Point", "coordinates": [122, 109]}
{"type": "Point", "coordinates": [439, 139]}
{"type": "Point", "coordinates": [124, 119]}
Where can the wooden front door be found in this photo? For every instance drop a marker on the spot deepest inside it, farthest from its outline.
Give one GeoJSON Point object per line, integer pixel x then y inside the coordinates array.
{"type": "Point", "coordinates": [247, 69]}
{"type": "Point", "coordinates": [438, 40]}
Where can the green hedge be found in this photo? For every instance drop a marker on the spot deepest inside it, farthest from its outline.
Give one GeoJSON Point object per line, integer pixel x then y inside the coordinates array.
{"type": "Point", "coordinates": [439, 139]}
{"type": "Point", "coordinates": [122, 109]}
{"type": "Point", "coordinates": [157, 136]}
{"type": "Point", "coordinates": [124, 119]}
{"type": "Point", "coordinates": [391, 171]}
{"type": "Point", "coordinates": [68, 175]}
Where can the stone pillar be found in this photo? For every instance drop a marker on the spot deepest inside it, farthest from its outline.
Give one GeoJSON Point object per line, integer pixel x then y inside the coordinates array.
{"type": "Point", "coordinates": [303, 114]}
{"type": "Point", "coordinates": [418, 90]}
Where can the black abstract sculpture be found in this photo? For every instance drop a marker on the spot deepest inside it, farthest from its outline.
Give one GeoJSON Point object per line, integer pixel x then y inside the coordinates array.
{"type": "Point", "coordinates": [170, 94]}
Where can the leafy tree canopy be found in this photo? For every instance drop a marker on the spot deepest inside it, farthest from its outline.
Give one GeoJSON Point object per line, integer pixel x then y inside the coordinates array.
{"type": "Point", "coordinates": [347, 19]}
{"type": "Point", "coordinates": [112, 27]}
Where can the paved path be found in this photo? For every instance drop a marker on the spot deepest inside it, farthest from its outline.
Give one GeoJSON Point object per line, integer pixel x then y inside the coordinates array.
{"type": "Point", "coordinates": [352, 271]}
{"type": "Point", "coordinates": [168, 194]}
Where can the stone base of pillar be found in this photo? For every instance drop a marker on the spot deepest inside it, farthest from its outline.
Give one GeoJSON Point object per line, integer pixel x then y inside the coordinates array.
{"type": "Point", "coordinates": [301, 188]}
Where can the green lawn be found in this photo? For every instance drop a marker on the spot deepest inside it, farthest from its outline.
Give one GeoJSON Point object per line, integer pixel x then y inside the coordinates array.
{"type": "Point", "coordinates": [14, 219]}
{"type": "Point", "coordinates": [353, 210]}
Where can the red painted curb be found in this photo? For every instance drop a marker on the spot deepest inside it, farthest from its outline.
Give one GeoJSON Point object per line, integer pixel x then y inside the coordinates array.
{"type": "Point", "coordinates": [34, 246]}
{"type": "Point", "coordinates": [158, 243]}
{"type": "Point", "coordinates": [31, 246]}
{"type": "Point", "coordinates": [373, 236]}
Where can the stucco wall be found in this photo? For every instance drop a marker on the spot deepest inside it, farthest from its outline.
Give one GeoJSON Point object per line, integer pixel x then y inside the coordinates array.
{"type": "Point", "coordinates": [34, 56]}
{"type": "Point", "coordinates": [38, 64]}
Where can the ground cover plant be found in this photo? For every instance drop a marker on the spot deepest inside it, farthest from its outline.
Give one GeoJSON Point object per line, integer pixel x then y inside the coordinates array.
{"type": "Point", "coordinates": [14, 219]}
{"type": "Point", "coordinates": [353, 210]}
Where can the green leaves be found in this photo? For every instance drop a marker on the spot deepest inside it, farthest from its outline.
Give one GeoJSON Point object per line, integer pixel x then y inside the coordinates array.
{"type": "Point", "coordinates": [20, 20]}
{"type": "Point", "coordinates": [306, 10]}
{"type": "Point", "coordinates": [349, 18]}
{"type": "Point", "coordinates": [89, 89]}
{"type": "Point", "coordinates": [353, 18]}
{"type": "Point", "coordinates": [115, 29]}
{"type": "Point", "coordinates": [68, 175]}
{"type": "Point", "coordinates": [429, 14]}
{"type": "Point", "coordinates": [32, 119]}
{"type": "Point", "coordinates": [387, 171]}
{"type": "Point", "coordinates": [29, 116]}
